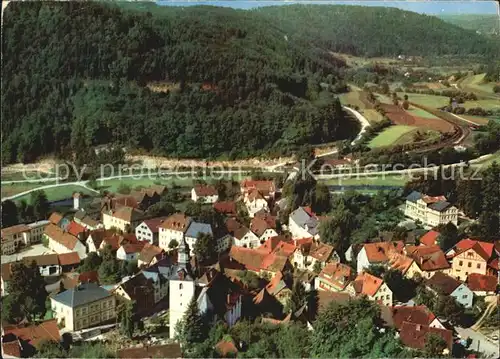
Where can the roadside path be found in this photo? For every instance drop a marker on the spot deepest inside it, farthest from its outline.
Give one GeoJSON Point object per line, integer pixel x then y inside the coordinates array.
{"type": "Point", "coordinates": [486, 345]}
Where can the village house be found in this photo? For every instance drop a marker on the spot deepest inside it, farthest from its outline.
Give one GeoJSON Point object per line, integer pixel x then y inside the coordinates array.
{"type": "Point", "coordinates": [279, 289]}
{"type": "Point", "coordinates": [204, 193]}
{"type": "Point", "coordinates": [310, 251]}
{"type": "Point", "coordinates": [160, 273]}
{"type": "Point", "coordinates": [83, 218]}
{"type": "Point", "coordinates": [22, 340]}
{"type": "Point", "coordinates": [417, 314]}
{"type": "Point", "coordinates": [77, 230]}
{"type": "Point", "coordinates": [429, 239]}
{"type": "Point", "coordinates": [227, 208]}
{"type": "Point", "coordinates": [255, 202]}
{"type": "Point", "coordinates": [416, 335]}
{"type": "Point", "coordinates": [482, 285]}
{"type": "Point", "coordinates": [130, 251]}
{"type": "Point", "coordinates": [264, 226]}
{"type": "Point", "coordinates": [266, 188]}
{"type": "Point", "coordinates": [96, 237]}
{"type": "Point", "coordinates": [427, 260]}
{"type": "Point", "coordinates": [22, 235]}
{"type": "Point", "coordinates": [258, 261]}
{"type": "Point", "coordinates": [74, 279]}
{"type": "Point", "coordinates": [194, 230]}
{"type": "Point", "coordinates": [173, 230]}
{"type": "Point", "coordinates": [124, 218]}
{"type": "Point", "coordinates": [85, 306]}
{"type": "Point", "coordinates": [471, 256]}
{"type": "Point", "coordinates": [303, 223]}
{"type": "Point", "coordinates": [280, 245]}
{"type": "Point", "coordinates": [63, 242]}
{"type": "Point", "coordinates": [441, 283]}
{"type": "Point", "coordinates": [115, 241]}
{"type": "Point", "coordinates": [150, 254]}
{"type": "Point", "coordinates": [241, 235]}
{"type": "Point", "coordinates": [430, 211]}
{"type": "Point", "coordinates": [148, 230]}
{"type": "Point", "coordinates": [377, 253]}
{"type": "Point", "coordinates": [372, 287]}
{"type": "Point", "coordinates": [334, 277]}
{"type": "Point", "coordinates": [138, 289]}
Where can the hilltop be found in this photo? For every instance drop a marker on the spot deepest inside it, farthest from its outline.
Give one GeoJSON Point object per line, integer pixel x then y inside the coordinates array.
{"type": "Point", "coordinates": [486, 24]}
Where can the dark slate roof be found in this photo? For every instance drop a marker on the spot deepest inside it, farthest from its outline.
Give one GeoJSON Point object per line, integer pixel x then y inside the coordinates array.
{"type": "Point", "coordinates": [414, 196]}
{"type": "Point", "coordinates": [83, 294]}
{"type": "Point", "coordinates": [440, 206]}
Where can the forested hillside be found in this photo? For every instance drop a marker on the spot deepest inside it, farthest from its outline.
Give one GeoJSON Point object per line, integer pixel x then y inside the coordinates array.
{"type": "Point", "coordinates": [74, 76]}
{"type": "Point", "coordinates": [377, 31]}
{"type": "Point", "coordinates": [487, 24]}
{"type": "Point", "coordinates": [226, 82]}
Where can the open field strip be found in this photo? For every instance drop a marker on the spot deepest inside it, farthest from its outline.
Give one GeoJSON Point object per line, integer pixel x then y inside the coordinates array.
{"type": "Point", "coordinates": [399, 180]}
{"type": "Point", "coordinates": [475, 82]}
{"type": "Point", "coordinates": [415, 111]}
{"type": "Point", "coordinates": [58, 193]}
{"type": "Point", "coordinates": [434, 101]}
{"type": "Point", "coordinates": [489, 104]}
{"type": "Point", "coordinates": [389, 136]}
{"type": "Point", "coordinates": [11, 189]}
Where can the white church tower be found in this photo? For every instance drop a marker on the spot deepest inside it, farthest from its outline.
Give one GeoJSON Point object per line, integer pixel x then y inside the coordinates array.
{"type": "Point", "coordinates": [181, 287]}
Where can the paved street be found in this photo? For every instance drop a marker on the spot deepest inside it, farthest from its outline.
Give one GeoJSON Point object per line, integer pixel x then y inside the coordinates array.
{"type": "Point", "coordinates": [34, 250]}
{"type": "Point", "coordinates": [486, 345]}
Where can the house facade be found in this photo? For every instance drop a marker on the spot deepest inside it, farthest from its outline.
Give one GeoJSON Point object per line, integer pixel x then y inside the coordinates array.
{"type": "Point", "coordinates": [194, 230]}
{"type": "Point", "coordinates": [431, 211]}
{"type": "Point", "coordinates": [124, 218]}
{"type": "Point", "coordinates": [443, 284]}
{"type": "Point", "coordinates": [85, 306]}
{"type": "Point", "coordinates": [22, 235]}
{"type": "Point", "coordinates": [63, 242]}
{"type": "Point", "coordinates": [303, 223]}
{"type": "Point", "coordinates": [372, 287]}
{"type": "Point", "coordinates": [130, 251]}
{"type": "Point", "coordinates": [204, 193]}
{"type": "Point", "coordinates": [334, 277]}
{"type": "Point", "coordinates": [148, 230]}
{"type": "Point", "coordinates": [377, 253]}
{"type": "Point", "coordinates": [255, 202]}
{"type": "Point", "coordinates": [173, 229]}
{"type": "Point", "coordinates": [471, 256]}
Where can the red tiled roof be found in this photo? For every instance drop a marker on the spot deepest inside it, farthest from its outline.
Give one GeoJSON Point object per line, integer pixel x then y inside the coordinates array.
{"type": "Point", "coordinates": [75, 229]}
{"type": "Point", "coordinates": [484, 249]}
{"type": "Point", "coordinates": [148, 252]}
{"type": "Point", "coordinates": [428, 258]}
{"type": "Point", "coordinates": [261, 223]}
{"type": "Point", "coordinates": [430, 238]}
{"type": "Point", "coordinates": [493, 264]}
{"type": "Point", "coordinates": [70, 258]}
{"type": "Point", "coordinates": [127, 214]}
{"type": "Point", "coordinates": [134, 247]}
{"type": "Point", "coordinates": [55, 217]}
{"type": "Point", "coordinates": [415, 335]}
{"type": "Point", "coordinates": [337, 274]}
{"type": "Point", "coordinates": [255, 260]}
{"type": "Point", "coordinates": [15, 230]}
{"type": "Point", "coordinates": [321, 251]}
{"type": "Point", "coordinates": [255, 194]}
{"type": "Point", "coordinates": [400, 262]}
{"type": "Point", "coordinates": [226, 207]}
{"type": "Point", "coordinates": [443, 283]}
{"type": "Point", "coordinates": [367, 284]}
{"type": "Point", "coordinates": [378, 252]}
{"type": "Point", "coordinates": [205, 190]}
{"type": "Point", "coordinates": [266, 187]}
{"type": "Point", "coordinates": [154, 223]}
{"type": "Point", "coordinates": [325, 298]}
{"type": "Point", "coordinates": [277, 244]}
{"type": "Point", "coordinates": [418, 314]}
{"type": "Point", "coordinates": [63, 238]}
{"type": "Point", "coordinates": [12, 348]}
{"type": "Point", "coordinates": [35, 333]}
{"type": "Point", "coordinates": [481, 283]}
{"type": "Point", "coordinates": [431, 199]}
{"type": "Point", "coordinates": [177, 222]}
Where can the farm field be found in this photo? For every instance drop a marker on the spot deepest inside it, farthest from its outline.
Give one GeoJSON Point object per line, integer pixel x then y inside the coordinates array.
{"type": "Point", "coordinates": [415, 111]}
{"type": "Point", "coordinates": [475, 82]}
{"type": "Point", "coordinates": [434, 101]}
{"type": "Point", "coordinates": [389, 136]}
{"type": "Point", "coordinates": [27, 175]}
{"type": "Point", "coordinates": [8, 190]}
{"type": "Point", "coordinates": [476, 119]}
{"type": "Point", "coordinates": [398, 180]}
{"type": "Point", "coordinates": [490, 104]}
{"type": "Point", "coordinates": [487, 162]}
{"type": "Point", "coordinates": [411, 136]}
{"type": "Point", "coordinates": [59, 193]}
{"type": "Point", "coordinates": [351, 98]}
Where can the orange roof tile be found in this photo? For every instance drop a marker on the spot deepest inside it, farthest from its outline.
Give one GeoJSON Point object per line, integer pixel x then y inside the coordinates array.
{"type": "Point", "coordinates": [226, 207]}
{"type": "Point", "coordinates": [177, 222]}
{"type": "Point", "coordinates": [428, 258]}
{"type": "Point", "coordinates": [75, 229]}
{"type": "Point", "coordinates": [63, 238]}
{"type": "Point", "coordinates": [261, 223]}
{"type": "Point", "coordinates": [418, 314]}
{"type": "Point", "coordinates": [35, 333]}
{"type": "Point", "coordinates": [337, 274]}
{"type": "Point", "coordinates": [367, 284]}
{"type": "Point", "coordinates": [55, 218]}
{"type": "Point", "coordinates": [415, 335]}
{"type": "Point", "coordinates": [205, 190]}
{"type": "Point", "coordinates": [484, 249]}
{"type": "Point", "coordinates": [481, 283]}
{"type": "Point", "coordinates": [378, 252]}
{"type": "Point", "coordinates": [15, 230]}
{"type": "Point", "coordinates": [430, 238]}
{"type": "Point", "coordinates": [71, 258]}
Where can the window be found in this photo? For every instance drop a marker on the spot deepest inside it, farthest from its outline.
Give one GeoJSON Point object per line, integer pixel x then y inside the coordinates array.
{"type": "Point", "coordinates": [180, 285]}
{"type": "Point", "coordinates": [460, 263]}
{"type": "Point", "coordinates": [479, 266]}
{"type": "Point", "coordinates": [469, 264]}
{"type": "Point", "coordinates": [464, 296]}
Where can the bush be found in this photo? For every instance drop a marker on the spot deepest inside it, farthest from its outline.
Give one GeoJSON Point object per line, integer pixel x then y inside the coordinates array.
{"type": "Point", "coordinates": [124, 189]}
{"type": "Point", "coordinates": [496, 89]}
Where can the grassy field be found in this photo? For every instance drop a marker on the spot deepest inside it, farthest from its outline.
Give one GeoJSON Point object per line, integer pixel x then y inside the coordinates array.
{"type": "Point", "coordinates": [421, 113]}
{"type": "Point", "coordinates": [389, 136]}
{"type": "Point", "coordinates": [410, 136]}
{"type": "Point", "coordinates": [373, 115]}
{"type": "Point", "coordinates": [28, 175]}
{"type": "Point", "coordinates": [8, 190]}
{"type": "Point", "coordinates": [490, 104]}
{"type": "Point", "coordinates": [182, 181]}
{"type": "Point", "coordinates": [485, 163]}
{"type": "Point", "coordinates": [434, 101]}
{"type": "Point", "coordinates": [353, 98]}
{"type": "Point", "coordinates": [59, 193]}
{"type": "Point", "coordinates": [476, 83]}
{"type": "Point", "coordinates": [399, 180]}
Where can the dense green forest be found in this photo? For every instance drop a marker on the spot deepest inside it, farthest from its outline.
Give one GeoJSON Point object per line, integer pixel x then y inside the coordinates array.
{"type": "Point", "coordinates": [377, 31]}
{"type": "Point", "coordinates": [484, 23]}
{"type": "Point", "coordinates": [235, 83]}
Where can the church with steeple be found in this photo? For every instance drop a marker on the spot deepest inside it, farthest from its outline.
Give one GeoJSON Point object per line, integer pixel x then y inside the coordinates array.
{"type": "Point", "coordinates": [182, 287]}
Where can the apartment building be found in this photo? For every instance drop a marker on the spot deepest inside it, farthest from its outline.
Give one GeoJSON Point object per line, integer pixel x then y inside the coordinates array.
{"type": "Point", "coordinates": [431, 211]}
